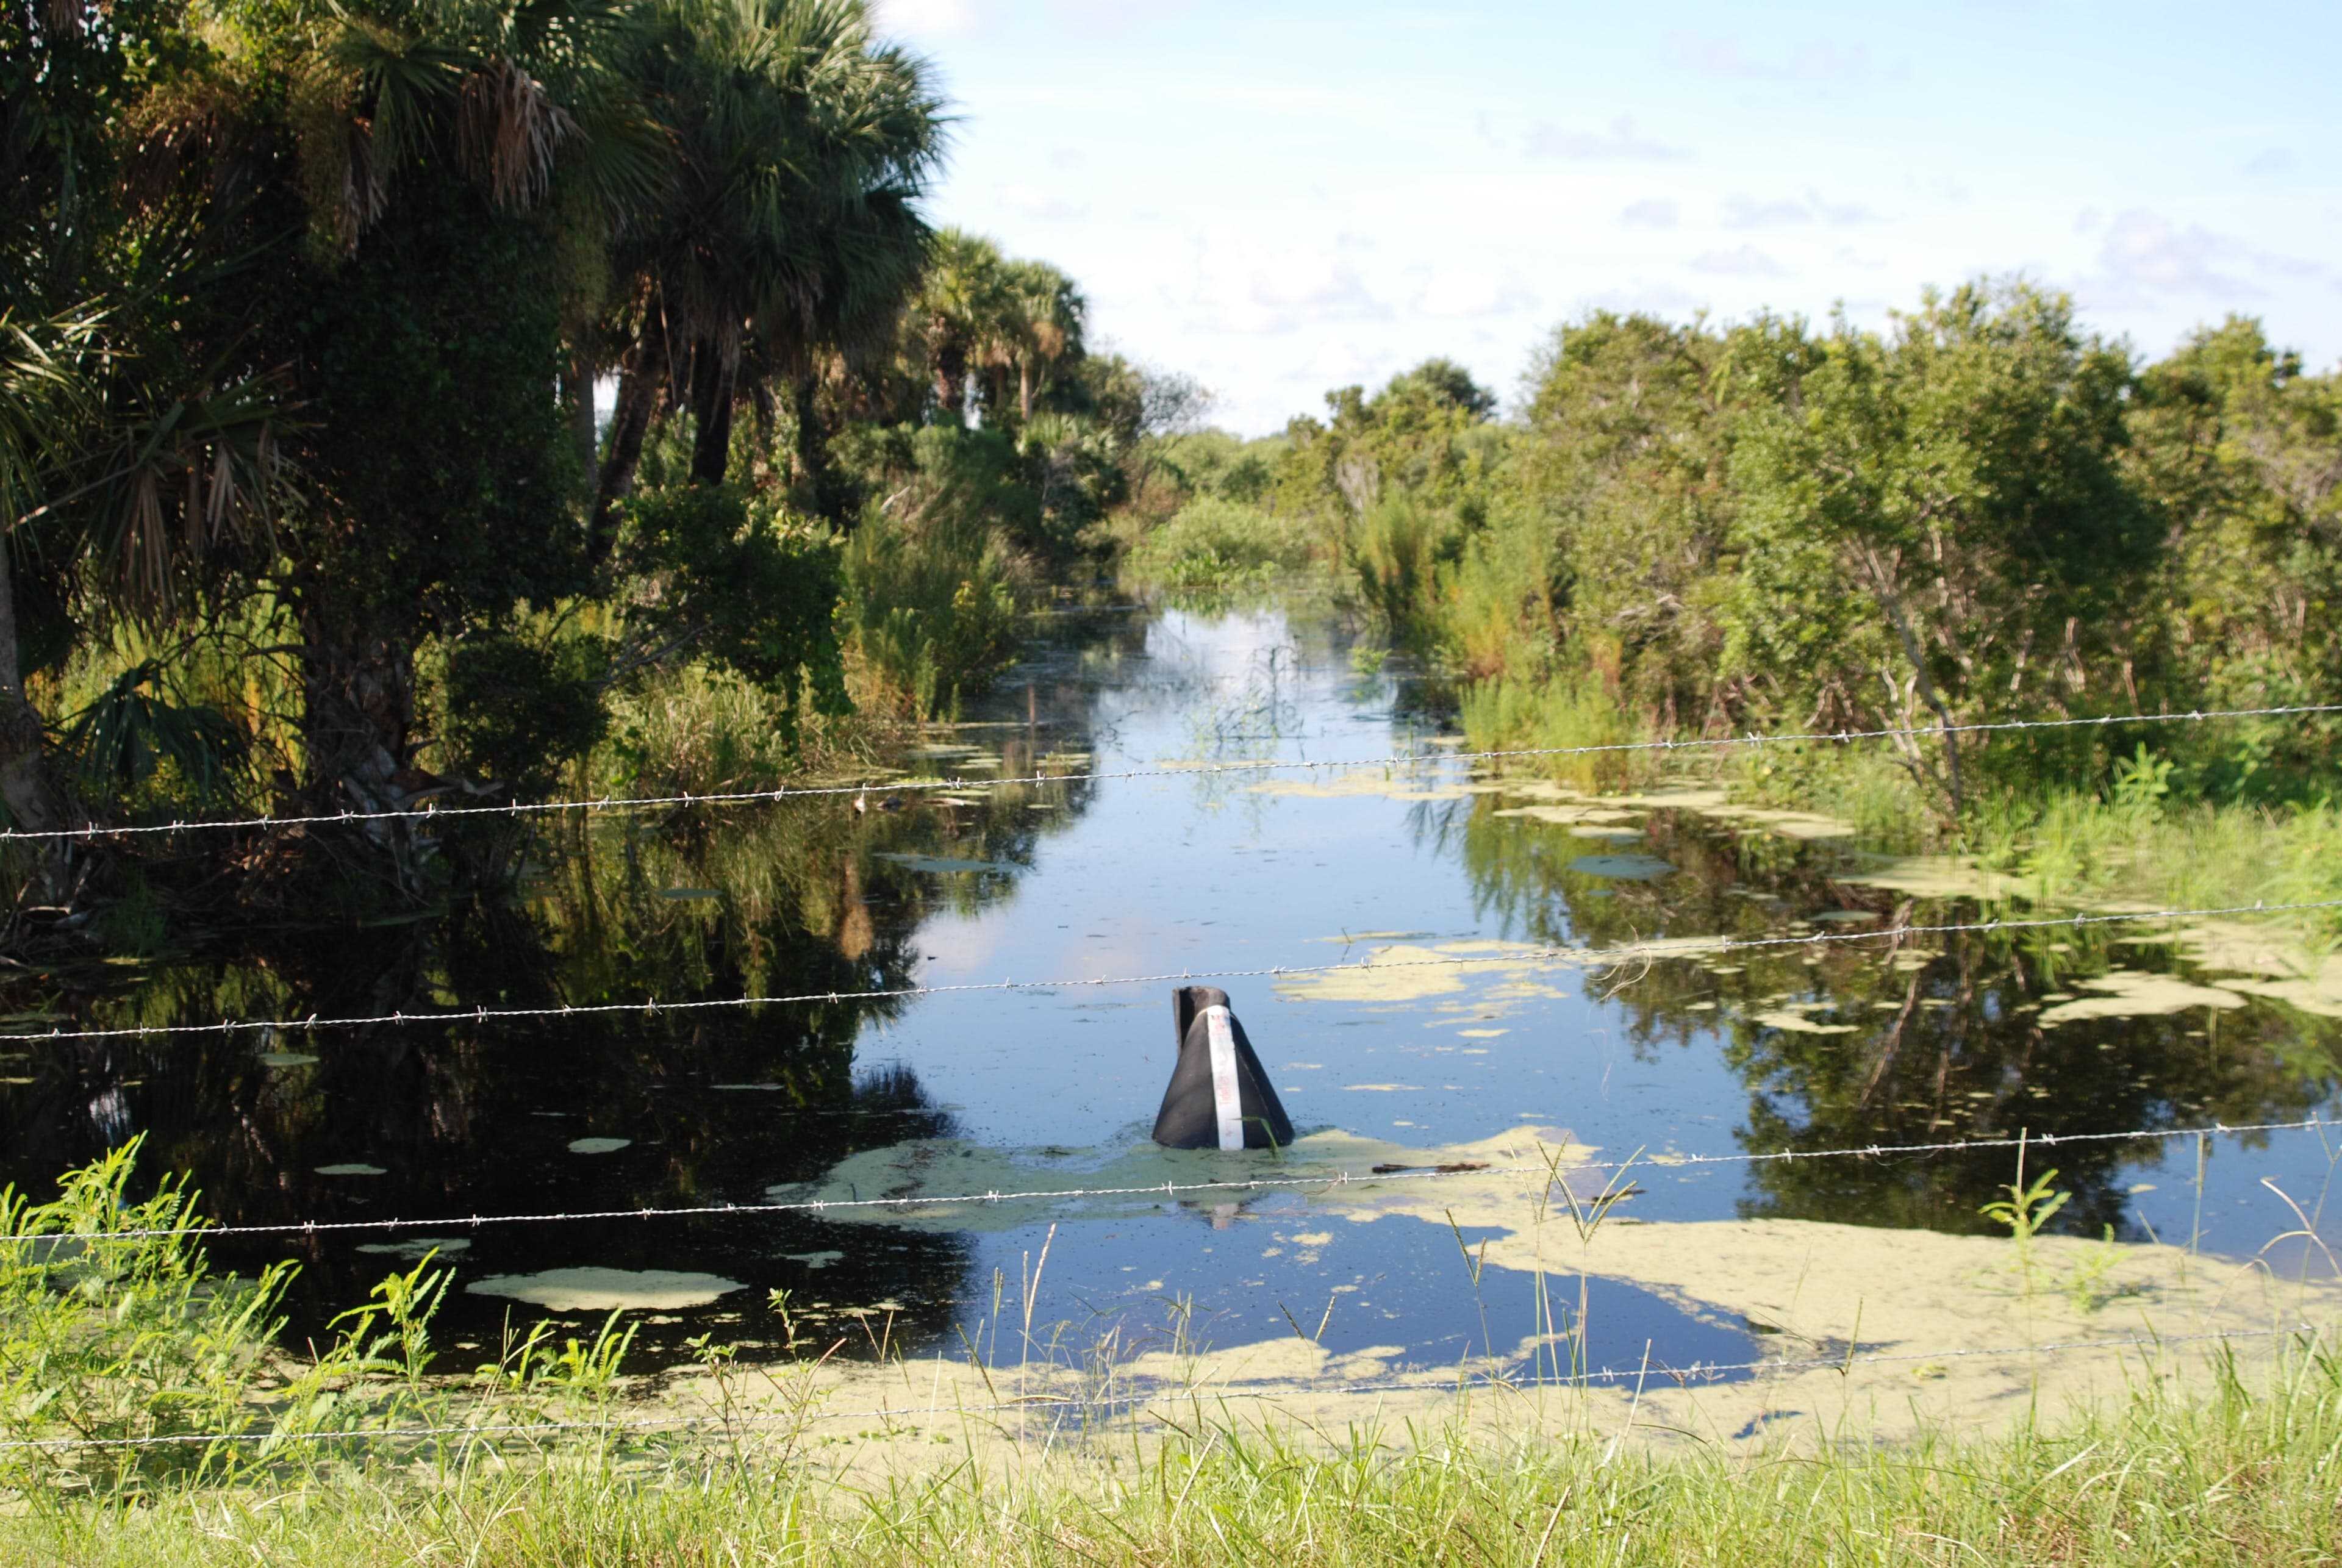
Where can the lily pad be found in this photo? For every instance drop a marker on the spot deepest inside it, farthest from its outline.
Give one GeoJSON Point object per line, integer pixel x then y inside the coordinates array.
{"type": "Point", "coordinates": [597, 1146]}
{"type": "Point", "coordinates": [607, 1290]}
{"type": "Point", "coordinates": [416, 1248]}
{"type": "Point", "coordinates": [352, 1168]}
{"type": "Point", "coordinates": [1798, 1023]}
{"type": "Point", "coordinates": [1623, 867]}
{"type": "Point", "coordinates": [943, 863]}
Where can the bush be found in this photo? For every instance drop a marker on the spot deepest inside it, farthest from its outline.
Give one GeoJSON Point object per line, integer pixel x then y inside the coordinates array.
{"type": "Point", "coordinates": [1213, 546]}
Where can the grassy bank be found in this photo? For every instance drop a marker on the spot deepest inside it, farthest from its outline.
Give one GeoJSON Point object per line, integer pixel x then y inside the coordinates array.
{"type": "Point", "coordinates": [2246, 1475]}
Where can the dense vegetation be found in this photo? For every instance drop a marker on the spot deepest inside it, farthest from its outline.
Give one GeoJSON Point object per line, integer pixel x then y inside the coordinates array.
{"type": "Point", "coordinates": [310, 507]}
{"type": "Point", "coordinates": [1985, 512]}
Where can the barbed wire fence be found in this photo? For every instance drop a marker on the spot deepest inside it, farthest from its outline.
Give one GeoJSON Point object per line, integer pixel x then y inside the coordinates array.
{"type": "Point", "coordinates": [1322, 1180]}
{"type": "Point", "coordinates": [1589, 957]}
{"type": "Point", "coordinates": [1582, 957]}
{"type": "Point", "coordinates": [1181, 770]}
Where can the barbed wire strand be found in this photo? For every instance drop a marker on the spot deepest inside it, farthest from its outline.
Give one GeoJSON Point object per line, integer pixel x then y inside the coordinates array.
{"type": "Point", "coordinates": [1260, 1390]}
{"type": "Point", "coordinates": [1592, 957]}
{"type": "Point", "coordinates": [892, 786]}
{"type": "Point", "coordinates": [1328, 1180]}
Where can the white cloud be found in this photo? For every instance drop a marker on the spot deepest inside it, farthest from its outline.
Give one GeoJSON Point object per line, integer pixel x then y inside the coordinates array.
{"type": "Point", "coordinates": [1620, 142]}
{"type": "Point", "coordinates": [2274, 161]}
{"type": "Point", "coordinates": [1652, 213]}
{"type": "Point", "coordinates": [1243, 286]}
{"type": "Point", "coordinates": [2147, 254]}
{"type": "Point", "coordinates": [927, 18]}
{"type": "Point", "coordinates": [1459, 292]}
{"type": "Point", "coordinates": [1812, 65]}
{"type": "Point", "coordinates": [1746, 212]}
{"type": "Point", "coordinates": [1743, 260]}
{"type": "Point", "coordinates": [1647, 299]}
{"type": "Point", "coordinates": [1338, 363]}
{"type": "Point", "coordinates": [1027, 201]}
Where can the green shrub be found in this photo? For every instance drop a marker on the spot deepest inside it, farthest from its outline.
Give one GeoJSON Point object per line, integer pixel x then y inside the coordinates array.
{"type": "Point", "coordinates": [1213, 547]}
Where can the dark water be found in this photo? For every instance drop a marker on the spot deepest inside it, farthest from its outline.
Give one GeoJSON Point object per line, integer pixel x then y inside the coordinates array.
{"type": "Point", "coordinates": [1079, 881]}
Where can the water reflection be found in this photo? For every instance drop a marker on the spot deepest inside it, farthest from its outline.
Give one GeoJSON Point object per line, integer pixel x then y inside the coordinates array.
{"type": "Point", "coordinates": [1912, 1039]}
{"type": "Point", "coordinates": [1797, 1048]}
{"type": "Point", "coordinates": [655, 1108]}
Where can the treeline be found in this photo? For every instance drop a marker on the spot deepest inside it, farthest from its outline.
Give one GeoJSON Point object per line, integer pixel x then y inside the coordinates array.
{"type": "Point", "coordinates": [1985, 513]}
{"type": "Point", "coordinates": [309, 502]}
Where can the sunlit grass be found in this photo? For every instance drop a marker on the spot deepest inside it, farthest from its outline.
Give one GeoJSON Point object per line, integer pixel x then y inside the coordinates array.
{"type": "Point", "coordinates": [2242, 1475]}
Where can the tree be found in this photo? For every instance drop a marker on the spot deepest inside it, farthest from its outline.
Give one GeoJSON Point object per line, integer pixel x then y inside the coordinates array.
{"type": "Point", "coordinates": [1036, 332]}
{"type": "Point", "coordinates": [957, 314]}
{"type": "Point", "coordinates": [1938, 524]}
{"type": "Point", "coordinates": [125, 455]}
{"type": "Point", "coordinates": [785, 224]}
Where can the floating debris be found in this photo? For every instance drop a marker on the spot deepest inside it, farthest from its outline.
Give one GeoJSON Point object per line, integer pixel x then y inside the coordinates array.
{"type": "Point", "coordinates": [597, 1146]}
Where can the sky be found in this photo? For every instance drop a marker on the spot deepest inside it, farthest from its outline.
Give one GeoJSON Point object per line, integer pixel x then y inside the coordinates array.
{"type": "Point", "coordinates": [1286, 196]}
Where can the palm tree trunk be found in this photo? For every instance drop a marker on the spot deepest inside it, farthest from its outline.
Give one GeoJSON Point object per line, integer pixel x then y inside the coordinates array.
{"type": "Point", "coordinates": [640, 382]}
{"type": "Point", "coordinates": [24, 777]}
{"type": "Point", "coordinates": [951, 379]}
{"type": "Point", "coordinates": [577, 397]}
{"type": "Point", "coordinates": [713, 382]}
{"type": "Point", "coordinates": [831, 501]}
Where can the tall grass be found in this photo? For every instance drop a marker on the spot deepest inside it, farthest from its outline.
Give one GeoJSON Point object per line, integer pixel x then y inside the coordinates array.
{"type": "Point", "coordinates": [2074, 846]}
{"type": "Point", "coordinates": [2244, 1475]}
{"type": "Point", "coordinates": [1559, 712]}
{"type": "Point", "coordinates": [128, 1369]}
{"type": "Point", "coordinates": [933, 608]}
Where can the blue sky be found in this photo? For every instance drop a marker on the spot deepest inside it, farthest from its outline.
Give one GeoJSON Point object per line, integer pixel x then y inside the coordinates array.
{"type": "Point", "coordinates": [1282, 197]}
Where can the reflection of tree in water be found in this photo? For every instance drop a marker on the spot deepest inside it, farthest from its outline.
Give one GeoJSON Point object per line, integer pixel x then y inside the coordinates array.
{"type": "Point", "coordinates": [476, 1117]}
{"type": "Point", "coordinates": [1978, 1065]}
{"type": "Point", "coordinates": [1906, 1041]}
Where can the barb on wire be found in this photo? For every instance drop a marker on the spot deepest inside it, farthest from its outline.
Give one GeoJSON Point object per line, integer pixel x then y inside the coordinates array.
{"type": "Point", "coordinates": [898, 787]}
{"type": "Point", "coordinates": [1327, 1180]}
{"type": "Point", "coordinates": [1261, 1389]}
{"type": "Point", "coordinates": [1593, 957]}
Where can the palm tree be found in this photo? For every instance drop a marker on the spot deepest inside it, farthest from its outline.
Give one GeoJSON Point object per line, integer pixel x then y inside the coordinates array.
{"type": "Point", "coordinates": [958, 313]}
{"type": "Point", "coordinates": [1045, 317]}
{"type": "Point", "coordinates": [785, 224]}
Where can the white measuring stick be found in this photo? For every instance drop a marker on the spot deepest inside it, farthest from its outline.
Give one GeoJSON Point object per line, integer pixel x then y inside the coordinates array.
{"type": "Point", "coordinates": [1227, 1097]}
